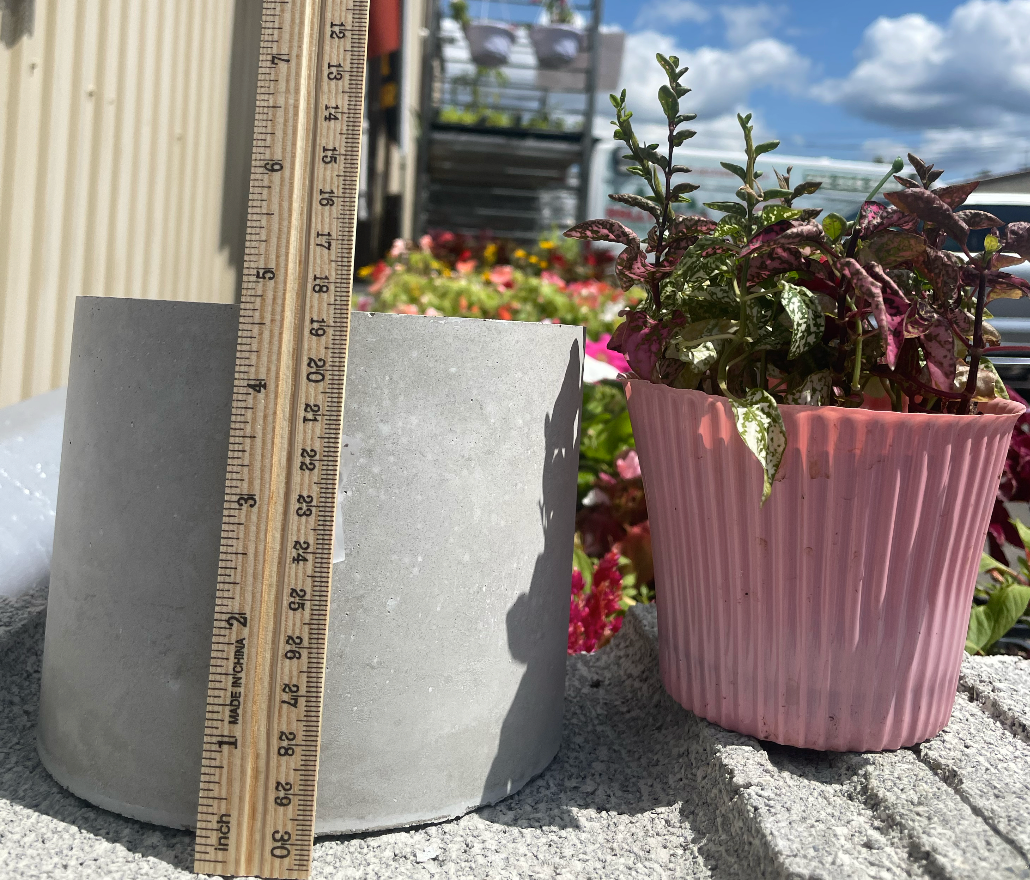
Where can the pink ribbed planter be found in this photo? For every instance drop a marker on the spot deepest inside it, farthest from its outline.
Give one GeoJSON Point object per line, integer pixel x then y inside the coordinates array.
{"type": "Point", "coordinates": [835, 616]}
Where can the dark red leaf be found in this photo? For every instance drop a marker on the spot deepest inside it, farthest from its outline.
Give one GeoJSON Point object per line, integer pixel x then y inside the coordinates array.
{"type": "Point", "coordinates": [643, 340]}
{"type": "Point", "coordinates": [1017, 238]}
{"type": "Point", "coordinates": [956, 194]}
{"type": "Point", "coordinates": [978, 219]}
{"type": "Point", "coordinates": [891, 248]}
{"type": "Point", "coordinates": [929, 208]}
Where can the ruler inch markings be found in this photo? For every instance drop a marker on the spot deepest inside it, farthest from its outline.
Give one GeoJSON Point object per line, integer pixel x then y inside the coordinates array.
{"type": "Point", "coordinates": [257, 790]}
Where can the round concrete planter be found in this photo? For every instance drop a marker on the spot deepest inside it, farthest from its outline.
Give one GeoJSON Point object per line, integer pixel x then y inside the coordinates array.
{"type": "Point", "coordinates": [446, 650]}
{"type": "Point", "coordinates": [833, 616]}
{"type": "Point", "coordinates": [490, 42]}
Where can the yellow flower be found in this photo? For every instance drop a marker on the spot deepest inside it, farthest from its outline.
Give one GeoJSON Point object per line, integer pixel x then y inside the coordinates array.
{"type": "Point", "coordinates": [490, 252]}
{"type": "Point", "coordinates": [519, 254]}
{"type": "Point", "coordinates": [534, 259]}
{"type": "Point", "coordinates": [446, 272]}
{"type": "Point", "coordinates": [365, 271]}
{"type": "Point", "coordinates": [546, 245]}
{"type": "Point", "coordinates": [486, 276]}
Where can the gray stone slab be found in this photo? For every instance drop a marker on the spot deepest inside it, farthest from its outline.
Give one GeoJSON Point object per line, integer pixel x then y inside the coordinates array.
{"type": "Point", "coordinates": [640, 788]}
{"type": "Point", "coordinates": [938, 828]}
{"type": "Point", "coordinates": [999, 686]}
{"type": "Point", "coordinates": [987, 767]}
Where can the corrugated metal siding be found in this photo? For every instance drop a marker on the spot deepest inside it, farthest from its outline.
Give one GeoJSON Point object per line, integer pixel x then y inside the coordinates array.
{"type": "Point", "coordinates": [123, 163]}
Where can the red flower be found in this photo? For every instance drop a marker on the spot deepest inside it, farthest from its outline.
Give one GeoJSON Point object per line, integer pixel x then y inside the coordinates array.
{"type": "Point", "coordinates": [594, 617]}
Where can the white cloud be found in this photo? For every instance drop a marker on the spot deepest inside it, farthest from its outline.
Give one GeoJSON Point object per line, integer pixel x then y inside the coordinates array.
{"type": "Point", "coordinates": [670, 12]}
{"type": "Point", "coordinates": [721, 79]}
{"type": "Point", "coordinates": [745, 24]}
{"type": "Point", "coordinates": [962, 88]}
{"type": "Point", "coordinates": [914, 73]}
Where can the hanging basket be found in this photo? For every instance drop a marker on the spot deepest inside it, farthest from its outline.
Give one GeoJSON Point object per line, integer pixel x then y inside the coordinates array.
{"type": "Point", "coordinates": [490, 42]}
{"type": "Point", "coordinates": [556, 45]}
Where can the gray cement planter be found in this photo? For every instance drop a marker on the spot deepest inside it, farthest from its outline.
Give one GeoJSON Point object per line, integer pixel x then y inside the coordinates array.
{"type": "Point", "coordinates": [446, 652]}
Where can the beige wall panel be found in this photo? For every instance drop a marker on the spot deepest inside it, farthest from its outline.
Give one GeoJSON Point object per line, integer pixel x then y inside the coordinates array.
{"type": "Point", "coordinates": [124, 158]}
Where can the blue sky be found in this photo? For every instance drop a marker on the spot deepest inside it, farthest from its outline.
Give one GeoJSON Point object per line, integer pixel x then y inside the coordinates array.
{"type": "Point", "coordinates": [949, 80]}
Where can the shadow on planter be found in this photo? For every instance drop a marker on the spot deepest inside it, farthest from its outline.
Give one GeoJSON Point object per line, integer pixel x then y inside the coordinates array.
{"type": "Point", "coordinates": [526, 642]}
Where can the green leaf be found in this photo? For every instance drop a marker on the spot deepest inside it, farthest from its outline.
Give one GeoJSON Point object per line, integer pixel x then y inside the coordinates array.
{"type": "Point", "coordinates": [776, 213]}
{"type": "Point", "coordinates": [767, 147]}
{"type": "Point", "coordinates": [1024, 533]}
{"type": "Point", "coordinates": [735, 169]}
{"type": "Point", "coordinates": [816, 390]}
{"type": "Point", "coordinates": [670, 103]}
{"type": "Point", "coordinates": [734, 208]}
{"type": "Point", "coordinates": [988, 623]}
{"type": "Point", "coordinates": [776, 193]}
{"type": "Point", "coordinates": [989, 563]}
{"type": "Point", "coordinates": [581, 563]}
{"type": "Point", "coordinates": [607, 437]}
{"type": "Point", "coordinates": [667, 66]}
{"type": "Point", "coordinates": [760, 426]}
{"type": "Point", "coordinates": [834, 226]}
{"type": "Point", "coordinates": [806, 317]}
{"type": "Point", "coordinates": [681, 137]}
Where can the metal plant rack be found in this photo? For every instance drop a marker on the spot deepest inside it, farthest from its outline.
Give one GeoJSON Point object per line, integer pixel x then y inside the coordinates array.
{"type": "Point", "coordinates": [507, 157]}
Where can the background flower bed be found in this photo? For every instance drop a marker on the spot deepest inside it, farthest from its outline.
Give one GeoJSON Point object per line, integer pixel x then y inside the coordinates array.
{"type": "Point", "coordinates": [562, 281]}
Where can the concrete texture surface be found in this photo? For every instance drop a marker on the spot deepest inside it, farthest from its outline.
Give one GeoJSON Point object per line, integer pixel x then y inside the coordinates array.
{"type": "Point", "coordinates": [445, 663]}
{"type": "Point", "coordinates": [640, 789]}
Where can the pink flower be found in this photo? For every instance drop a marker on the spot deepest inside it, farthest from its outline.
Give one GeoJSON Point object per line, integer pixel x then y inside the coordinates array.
{"type": "Point", "coordinates": [549, 277]}
{"type": "Point", "coordinates": [433, 312]}
{"type": "Point", "coordinates": [594, 617]}
{"type": "Point", "coordinates": [405, 309]}
{"type": "Point", "coordinates": [628, 465]}
{"type": "Point", "coordinates": [397, 249]}
{"type": "Point", "coordinates": [365, 303]}
{"type": "Point", "coordinates": [502, 277]}
{"type": "Point", "coordinates": [599, 351]}
{"type": "Point", "coordinates": [465, 266]}
{"type": "Point", "coordinates": [425, 243]}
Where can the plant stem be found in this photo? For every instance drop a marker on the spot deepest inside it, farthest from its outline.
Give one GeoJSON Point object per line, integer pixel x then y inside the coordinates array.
{"type": "Point", "coordinates": [856, 373]}
{"type": "Point", "coordinates": [978, 343]}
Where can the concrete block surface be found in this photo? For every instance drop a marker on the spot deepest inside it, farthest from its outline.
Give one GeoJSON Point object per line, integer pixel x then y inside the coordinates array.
{"type": "Point", "coordinates": [640, 788]}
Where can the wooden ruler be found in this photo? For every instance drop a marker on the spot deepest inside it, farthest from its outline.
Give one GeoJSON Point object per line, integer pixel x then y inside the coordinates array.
{"type": "Point", "coordinates": [256, 810]}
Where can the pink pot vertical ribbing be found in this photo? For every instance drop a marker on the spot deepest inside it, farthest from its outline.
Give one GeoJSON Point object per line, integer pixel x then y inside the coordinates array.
{"type": "Point", "coordinates": [835, 616]}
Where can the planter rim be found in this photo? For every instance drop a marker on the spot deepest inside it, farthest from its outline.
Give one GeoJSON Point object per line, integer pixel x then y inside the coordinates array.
{"type": "Point", "coordinates": [493, 24]}
{"type": "Point", "coordinates": [558, 26]}
{"type": "Point", "coordinates": [999, 407]}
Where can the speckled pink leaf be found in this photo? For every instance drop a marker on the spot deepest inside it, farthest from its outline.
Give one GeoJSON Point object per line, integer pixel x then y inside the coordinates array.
{"type": "Point", "coordinates": [939, 346]}
{"type": "Point", "coordinates": [767, 236]}
{"type": "Point", "coordinates": [603, 230]}
{"type": "Point", "coordinates": [775, 261]}
{"type": "Point", "coordinates": [632, 267]}
{"type": "Point", "coordinates": [889, 309]}
{"type": "Point", "coordinates": [877, 217]}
